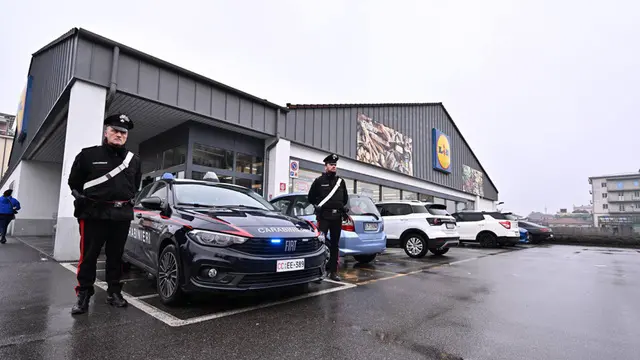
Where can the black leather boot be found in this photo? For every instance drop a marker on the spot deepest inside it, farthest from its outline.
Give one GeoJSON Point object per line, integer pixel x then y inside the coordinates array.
{"type": "Point", "coordinates": [116, 299]}
{"type": "Point", "coordinates": [82, 304]}
{"type": "Point", "coordinates": [334, 276]}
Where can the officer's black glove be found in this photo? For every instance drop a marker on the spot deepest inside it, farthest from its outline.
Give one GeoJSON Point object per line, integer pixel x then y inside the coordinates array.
{"type": "Point", "coordinates": [80, 199]}
{"type": "Point", "coordinates": [345, 213]}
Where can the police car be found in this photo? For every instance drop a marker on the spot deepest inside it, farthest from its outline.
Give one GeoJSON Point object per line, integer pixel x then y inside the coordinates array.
{"type": "Point", "coordinates": [203, 235]}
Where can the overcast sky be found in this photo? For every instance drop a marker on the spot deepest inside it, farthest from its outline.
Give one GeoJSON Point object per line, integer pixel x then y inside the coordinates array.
{"type": "Point", "coordinates": [546, 92]}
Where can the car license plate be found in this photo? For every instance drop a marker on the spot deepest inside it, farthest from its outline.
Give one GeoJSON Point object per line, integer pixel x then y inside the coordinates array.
{"type": "Point", "coordinates": [370, 227]}
{"type": "Point", "coordinates": [289, 265]}
{"type": "Point", "coordinates": [450, 226]}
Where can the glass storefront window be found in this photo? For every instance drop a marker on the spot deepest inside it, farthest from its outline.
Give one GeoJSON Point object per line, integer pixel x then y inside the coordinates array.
{"type": "Point", "coordinates": [303, 182]}
{"type": "Point", "coordinates": [350, 185]}
{"type": "Point", "coordinates": [173, 157]}
{"type": "Point", "coordinates": [409, 195]}
{"type": "Point", "coordinates": [439, 201]}
{"type": "Point", "coordinates": [370, 190]}
{"type": "Point", "coordinates": [390, 193]}
{"type": "Point", "coordinates": [255, 185]}
{"type": "Point", "coordinates": [451, 206]}
{"type": "Point", "coordinates": [426, 198]}
{"type": "Point", "coordinates": [198, 175]}
{"type": "Point", "coordinates": [461, 205]}
{"type": "Point", "coordinates": [249, 164]}
{"type": "Point", "coordinates": [209, 156]}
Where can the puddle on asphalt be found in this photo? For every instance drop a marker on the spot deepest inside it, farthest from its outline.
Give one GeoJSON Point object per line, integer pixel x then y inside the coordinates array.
{"type": "Point", "coordinates": [428, 351]}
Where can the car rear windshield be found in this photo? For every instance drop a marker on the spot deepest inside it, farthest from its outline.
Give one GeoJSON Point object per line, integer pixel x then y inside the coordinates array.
{"type": "Point", "coordinates": [529, 224]}
{"type": "Point", "coordinates": [503, 216]}
{"type": "Point", "coordinates": [218, 195]}
{"type": "Point", "coordinates": [361, 205]}
{"type": "Point", "coordinates": [437, 209]}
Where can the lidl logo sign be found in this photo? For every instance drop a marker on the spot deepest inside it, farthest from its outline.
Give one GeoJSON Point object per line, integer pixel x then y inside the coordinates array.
{"type": "Point", "coordinates": [441, 151]}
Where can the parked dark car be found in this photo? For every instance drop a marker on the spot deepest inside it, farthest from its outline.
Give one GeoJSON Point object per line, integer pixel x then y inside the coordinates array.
{"type": "Point", "coordinates": [537, 233]}
{"type": "Point", "coordinates": [209, 236]}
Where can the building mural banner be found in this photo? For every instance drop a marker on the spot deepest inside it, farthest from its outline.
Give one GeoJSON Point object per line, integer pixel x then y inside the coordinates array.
{"type": "Point", "coordinates": [441, 151]}
{"type": "Point", "coordinates": [22, 114]}
{"type": "Point", "coordinates": [383, 146]}
{"type": "Point", "coordinates": [472, 181]}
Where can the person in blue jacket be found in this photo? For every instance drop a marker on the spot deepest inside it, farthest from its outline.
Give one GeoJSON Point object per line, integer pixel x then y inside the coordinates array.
{"type": "Point", "coordinates": [9, 207]}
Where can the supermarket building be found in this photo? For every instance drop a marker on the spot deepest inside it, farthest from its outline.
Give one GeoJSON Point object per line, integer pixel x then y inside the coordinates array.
{"type": "Point", "coordinates": [187, 124]}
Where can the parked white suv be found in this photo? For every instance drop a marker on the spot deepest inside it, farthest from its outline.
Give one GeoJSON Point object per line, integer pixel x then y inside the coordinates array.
{"type": "Point", "coordinates": [489, 228]}
{"type": "Point", "coordinates": [419, 227]}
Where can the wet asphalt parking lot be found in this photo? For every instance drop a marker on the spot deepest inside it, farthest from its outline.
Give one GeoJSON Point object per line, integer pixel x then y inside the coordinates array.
{"type": "Point", "coordinates": [544, 302]}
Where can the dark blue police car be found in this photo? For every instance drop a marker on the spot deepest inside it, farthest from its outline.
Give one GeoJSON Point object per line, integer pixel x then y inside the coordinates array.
{"type": "Point", "coordinates": [202, 235]}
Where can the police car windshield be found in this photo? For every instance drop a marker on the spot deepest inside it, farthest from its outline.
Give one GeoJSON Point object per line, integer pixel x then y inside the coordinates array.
{"type": "Point", "coordinates": [218, 195]}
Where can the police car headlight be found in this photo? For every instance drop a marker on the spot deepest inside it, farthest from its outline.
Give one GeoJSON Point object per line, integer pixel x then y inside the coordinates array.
{"type": "Point", "coordinates": [215, 238]}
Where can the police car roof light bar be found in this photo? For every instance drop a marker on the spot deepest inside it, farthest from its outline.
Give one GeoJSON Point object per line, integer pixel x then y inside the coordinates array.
{"type": "Point", "coordinates": [211, 176]}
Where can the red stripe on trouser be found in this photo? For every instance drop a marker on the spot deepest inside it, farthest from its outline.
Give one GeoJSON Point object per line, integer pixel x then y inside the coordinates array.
{"type": "Point", "coordinates": [81, 252]}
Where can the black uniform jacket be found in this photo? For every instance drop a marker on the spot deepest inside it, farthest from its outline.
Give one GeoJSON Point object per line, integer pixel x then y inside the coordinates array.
{"type": "Point", "coordinates": [321, 187]}
{"type": "Point", "coordinates": [94, 162]}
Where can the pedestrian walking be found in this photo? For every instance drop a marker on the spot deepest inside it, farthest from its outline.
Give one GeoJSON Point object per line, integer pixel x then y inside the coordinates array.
{"type": "Point", "coordinates": [9, 207]}
{"type": "Point", "coordinates": [104, 180]}
{"type": "Point", "coordinates": [328, 193]}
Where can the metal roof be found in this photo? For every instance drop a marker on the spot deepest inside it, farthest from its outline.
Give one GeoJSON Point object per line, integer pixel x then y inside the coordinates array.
{"type": "Point", "coordinates": [355, 105]}
{"type": "Point", "coordinates": [152, 59]}
{"type": "Point", "coordinates": [323, 106]}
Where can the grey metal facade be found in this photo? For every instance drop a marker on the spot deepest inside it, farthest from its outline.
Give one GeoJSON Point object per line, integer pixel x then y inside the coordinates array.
{"type": "Point", "coordinates": [150, 78]}
{"type": "Point", "coordinates": [333, 128]}
{"type": "Point", "coordinates": [51, 70]}
{"type": "Point", "coordinates": [80, 54]}
{"type": "Point", "coordinates": [86, 56]}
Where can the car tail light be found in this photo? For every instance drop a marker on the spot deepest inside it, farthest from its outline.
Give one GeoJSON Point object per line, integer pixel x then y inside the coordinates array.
{"type": "Point", "coordinates": [434, 221]}
{"type": "Point", "coordinates": [348, 225]}
{"type": "Point", "coordinates": [506, 224]}
{"type": "Point", "coordinates": [544, 230]}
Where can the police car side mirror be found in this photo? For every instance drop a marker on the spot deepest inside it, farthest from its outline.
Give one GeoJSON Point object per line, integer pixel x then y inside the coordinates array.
{"type": "Point", "coordinates": [152, 203]}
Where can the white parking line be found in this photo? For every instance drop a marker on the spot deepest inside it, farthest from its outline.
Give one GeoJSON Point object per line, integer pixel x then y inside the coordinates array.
{"type": "Point", "coordinates": [143, 297]}
{"type": "Point", "coordinates": [238, 311]}
{"type": "Point", "coordinates": [175, 322]}
{"type": "Point", "coordinates": [463, 261]}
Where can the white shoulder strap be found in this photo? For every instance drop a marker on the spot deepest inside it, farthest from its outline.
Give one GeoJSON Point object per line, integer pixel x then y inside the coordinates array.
{"type": "Point", "coordinates": [333, 191]}
{"type": "Point", "coordinates": [110, 174]}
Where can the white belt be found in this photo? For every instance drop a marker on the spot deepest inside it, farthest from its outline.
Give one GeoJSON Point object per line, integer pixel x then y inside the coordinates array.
{"type": "Point", "coordinates": [333, 191]}
{"type": "Point", "coordinates": [110, 174]}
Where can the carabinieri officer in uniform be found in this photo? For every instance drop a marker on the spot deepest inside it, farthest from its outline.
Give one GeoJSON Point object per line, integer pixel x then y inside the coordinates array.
{"type": "Point", "coordinates": [104, 180]}
{"type": "Point", "coordinates": [328, 194]}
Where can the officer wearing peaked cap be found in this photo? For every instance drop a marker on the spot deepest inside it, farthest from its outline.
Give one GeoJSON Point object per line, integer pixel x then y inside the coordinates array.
{"type": "Point", "coordinates": [104, 180]}
{"type": "Point", "coordinates": [329, 195]}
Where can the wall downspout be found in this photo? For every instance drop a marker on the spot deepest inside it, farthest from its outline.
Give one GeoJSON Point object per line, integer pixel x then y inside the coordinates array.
{"type": "Point", "coordinates": [113, 85]}
{"type": "Point", "coordinates": [265, 186]}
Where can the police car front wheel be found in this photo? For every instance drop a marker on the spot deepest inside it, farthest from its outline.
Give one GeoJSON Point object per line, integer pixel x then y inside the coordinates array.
{"type": "Point", "coordinates": [168, 276]}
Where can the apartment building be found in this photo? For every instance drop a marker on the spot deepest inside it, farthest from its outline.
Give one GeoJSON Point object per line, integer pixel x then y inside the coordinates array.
{"type": "Point", "coordinates": [616, 200]}
{"type": "Point", "coordinates": [6, 140]}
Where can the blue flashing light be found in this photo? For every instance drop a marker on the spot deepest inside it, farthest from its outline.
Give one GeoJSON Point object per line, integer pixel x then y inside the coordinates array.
{"type": "Point", "coordinates": [276, 241]}
{"type": "Point", "coordinates": [167, 175]}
